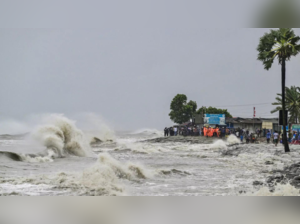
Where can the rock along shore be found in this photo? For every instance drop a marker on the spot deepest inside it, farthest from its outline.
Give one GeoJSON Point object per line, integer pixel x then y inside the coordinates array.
{"type": "Point", "coordinates": [194, 139]}
{"type": "Point", "coordinates": [187, 139]}
{"type": "Point", "coordinates": [290, 174]}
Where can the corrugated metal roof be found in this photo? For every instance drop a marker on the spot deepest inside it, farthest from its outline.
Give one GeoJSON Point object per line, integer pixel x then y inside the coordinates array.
{"type": "Point", "coordinates": [240, 120]}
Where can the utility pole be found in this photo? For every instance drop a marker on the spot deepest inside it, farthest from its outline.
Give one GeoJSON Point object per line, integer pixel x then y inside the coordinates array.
{"type": "Point", "coordinates": [253, 117]}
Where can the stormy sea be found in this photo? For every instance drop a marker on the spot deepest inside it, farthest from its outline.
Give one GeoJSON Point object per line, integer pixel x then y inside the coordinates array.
{"type": "Point", "coordinates": [58, 158]}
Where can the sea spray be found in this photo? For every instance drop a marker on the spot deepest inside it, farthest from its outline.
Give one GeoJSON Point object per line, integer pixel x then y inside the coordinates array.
{"type": "Point", "coordinates": [95, 127]}
{"type": "Point", "coordinates": [219, 144]}
{"type": "Point", "coordinates": [128, 171]}
{"type": "Point", "coordinates": [100, 179]}
{"type": "Point", "coordinates": [232, 139]}
{"type": "Point", "coordinates": [62, 136]}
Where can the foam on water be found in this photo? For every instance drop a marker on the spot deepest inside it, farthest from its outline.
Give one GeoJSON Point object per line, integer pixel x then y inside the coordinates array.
{"type": "Point", "coordinates": [177, 168]}
{"type": "Point", "coordinates": [103, 178]}
{"type": "Point", "coordinates": [219, 144]}
{"type": "Point", "coordinates": [280, 190]}
{"type": "Point", "coordinates": [62, 136]}
{"type": "Point", "coordinates": [128, 171]}
{"type": "Point", "coordinates": [232, 139]}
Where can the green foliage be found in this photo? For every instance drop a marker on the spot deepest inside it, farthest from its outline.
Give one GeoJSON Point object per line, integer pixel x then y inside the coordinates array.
{"type": "Point", "coordinates": [292, 102]}
{"type": "Point", "coordinates": [213, 110]}
{"type": "Point", "coordinates": [280, 44]}
{"type": "Point", "coordinates": [181, 111]}
{"type": "Point", "coordinates": [193, 104]}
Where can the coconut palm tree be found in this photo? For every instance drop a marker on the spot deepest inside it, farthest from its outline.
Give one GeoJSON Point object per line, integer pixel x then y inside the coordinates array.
{"type": "Point", "coordinates": [280, 44]}
{"type": "Point", "coordinates": [292, 103]}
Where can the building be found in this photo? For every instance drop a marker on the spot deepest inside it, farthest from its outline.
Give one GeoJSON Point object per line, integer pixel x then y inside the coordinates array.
{"type": "Point", "coordinates": [253, 123]}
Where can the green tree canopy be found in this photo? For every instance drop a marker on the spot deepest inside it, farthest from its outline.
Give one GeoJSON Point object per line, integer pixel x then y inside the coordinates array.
{"type": "Point", "coordinates": [279, 44]}
{"type": "Point", "coordinates": [181, 111]}
{"type": "Point", "coordinates": [213, 110]}
{"type": "Point", "coordinates": [292, 102]}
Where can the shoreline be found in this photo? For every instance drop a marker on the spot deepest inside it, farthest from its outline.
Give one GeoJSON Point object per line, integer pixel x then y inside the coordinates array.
{"type": "Point", "coordinates": [195, 140]}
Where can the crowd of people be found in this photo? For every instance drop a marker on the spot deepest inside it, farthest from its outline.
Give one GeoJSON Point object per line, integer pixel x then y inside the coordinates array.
{"type": "Point", "coordinates": [242, 134]}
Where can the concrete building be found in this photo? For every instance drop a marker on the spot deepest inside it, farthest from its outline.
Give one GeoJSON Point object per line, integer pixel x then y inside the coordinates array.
{"type": "Point", "coordinates": [252, 123]}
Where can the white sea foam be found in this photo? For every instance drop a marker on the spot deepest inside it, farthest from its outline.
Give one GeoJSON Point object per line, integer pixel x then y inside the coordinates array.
{"type": "Point", "coordinates": [128, 171]}
{"type": "Point", "coordinates": [62, 136]}
{"type": "Point", "coordinates": [219, 144]}
{"type": "Point", "coordinates": [102, 178]}
{"type": "Point", "coordinates": [280, 190]}
{"type": "Point", "coordinates": [232, 139]}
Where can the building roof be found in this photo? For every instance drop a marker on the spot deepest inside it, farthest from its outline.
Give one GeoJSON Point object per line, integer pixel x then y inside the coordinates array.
{"type": "Point", "coordinates": [240, 120]}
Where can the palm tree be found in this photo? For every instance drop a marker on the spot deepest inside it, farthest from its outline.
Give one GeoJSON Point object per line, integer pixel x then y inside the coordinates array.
{"type": "Point", "coordinates": [280, 44]}
{"type": "Point", "coordinates": [292, 103]}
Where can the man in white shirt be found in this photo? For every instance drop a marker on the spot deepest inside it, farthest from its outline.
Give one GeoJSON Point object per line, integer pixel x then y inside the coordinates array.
{"type": "Point", "coordinates": [275, 136]}
{"type": "Point", "coordinates": [175, 131]}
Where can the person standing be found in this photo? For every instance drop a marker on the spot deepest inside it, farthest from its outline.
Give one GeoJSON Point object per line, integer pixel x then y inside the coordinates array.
{"type": "Point", "coordinates": [242, 137]}
{"type": "Point", "coordinates": [175, 131]}
{"type": "Point", "coordinates": [166, 131]}
{"type": "Point", "coordinates": [268, 136]}
{"type": "Point", "coordinates": [208, 132]}
{"type": "Point", "coordinates": [223, 132]}
{"type": "Point", "coordinates": [247, 138]}
{"type": "Point", "coordinates": [275, 136]}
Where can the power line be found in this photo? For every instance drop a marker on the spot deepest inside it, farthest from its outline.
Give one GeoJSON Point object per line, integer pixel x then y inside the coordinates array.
{"type": "Point", "coordinates": [243, 105]}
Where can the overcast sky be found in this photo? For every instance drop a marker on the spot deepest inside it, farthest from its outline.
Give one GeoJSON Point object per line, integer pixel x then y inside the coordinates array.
{"type": "Point", "coordinates": [128, 69]}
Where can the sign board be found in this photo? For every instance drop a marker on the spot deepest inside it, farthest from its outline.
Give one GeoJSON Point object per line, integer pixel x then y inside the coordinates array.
{"type": "Point", "coordinates": [214, 119]}
{"type": "Point", "coordinates": [296, 127]}
{"type": "Point", "coordinates": [267, 125]}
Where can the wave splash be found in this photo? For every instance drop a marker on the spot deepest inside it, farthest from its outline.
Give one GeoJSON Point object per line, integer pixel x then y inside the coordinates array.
{"type": "Point", "coordinates": [220, 144]}
{"type": "Point", "coordinates": [101, 179]}
{"type": "Point", "coordinates": [62, 137]}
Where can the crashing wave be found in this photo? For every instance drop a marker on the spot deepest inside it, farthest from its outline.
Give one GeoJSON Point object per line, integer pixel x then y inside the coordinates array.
{"type": "Point", "coordinates": [62, 136]}
{"type": "Point", "coordinates": [222, 145]}
{"type": "Point", "coordinates": [128, 171]}
{"type": "Point", "coordinates": [101, 179]}
{"type": "Point", "coordinates": [219, 144]}
{"type": "Point", "coordinates": [232, 139]}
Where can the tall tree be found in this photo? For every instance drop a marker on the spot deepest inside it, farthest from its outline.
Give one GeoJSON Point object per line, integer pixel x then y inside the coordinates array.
{"type": "Point", "coordinates": [181, 111]}
{"type": "Point", "coordinates": [280, 44]}
{"type": "Point", "coordinates": [213, 110]}
{"type": "Point", "coordinates": [292, 103]}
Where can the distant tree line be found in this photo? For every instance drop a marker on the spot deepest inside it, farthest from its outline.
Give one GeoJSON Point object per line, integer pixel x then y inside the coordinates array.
{"type": "Point", "coordinates": [183, 110]}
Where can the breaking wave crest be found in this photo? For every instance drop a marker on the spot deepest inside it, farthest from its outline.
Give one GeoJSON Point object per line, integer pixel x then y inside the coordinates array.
{"type": "Point", "coordinates": [62, 136]}
{"type": "Point", "coordinates": [232, 139]}
{"type": "Point", "coordinates": [101, 179]}
{"type": "Point", "coordinates": [220, 144]}
{"type": "Point", "coordinates": [128, 171]}
{"type": "Point", "coordinates": [31, 158]}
